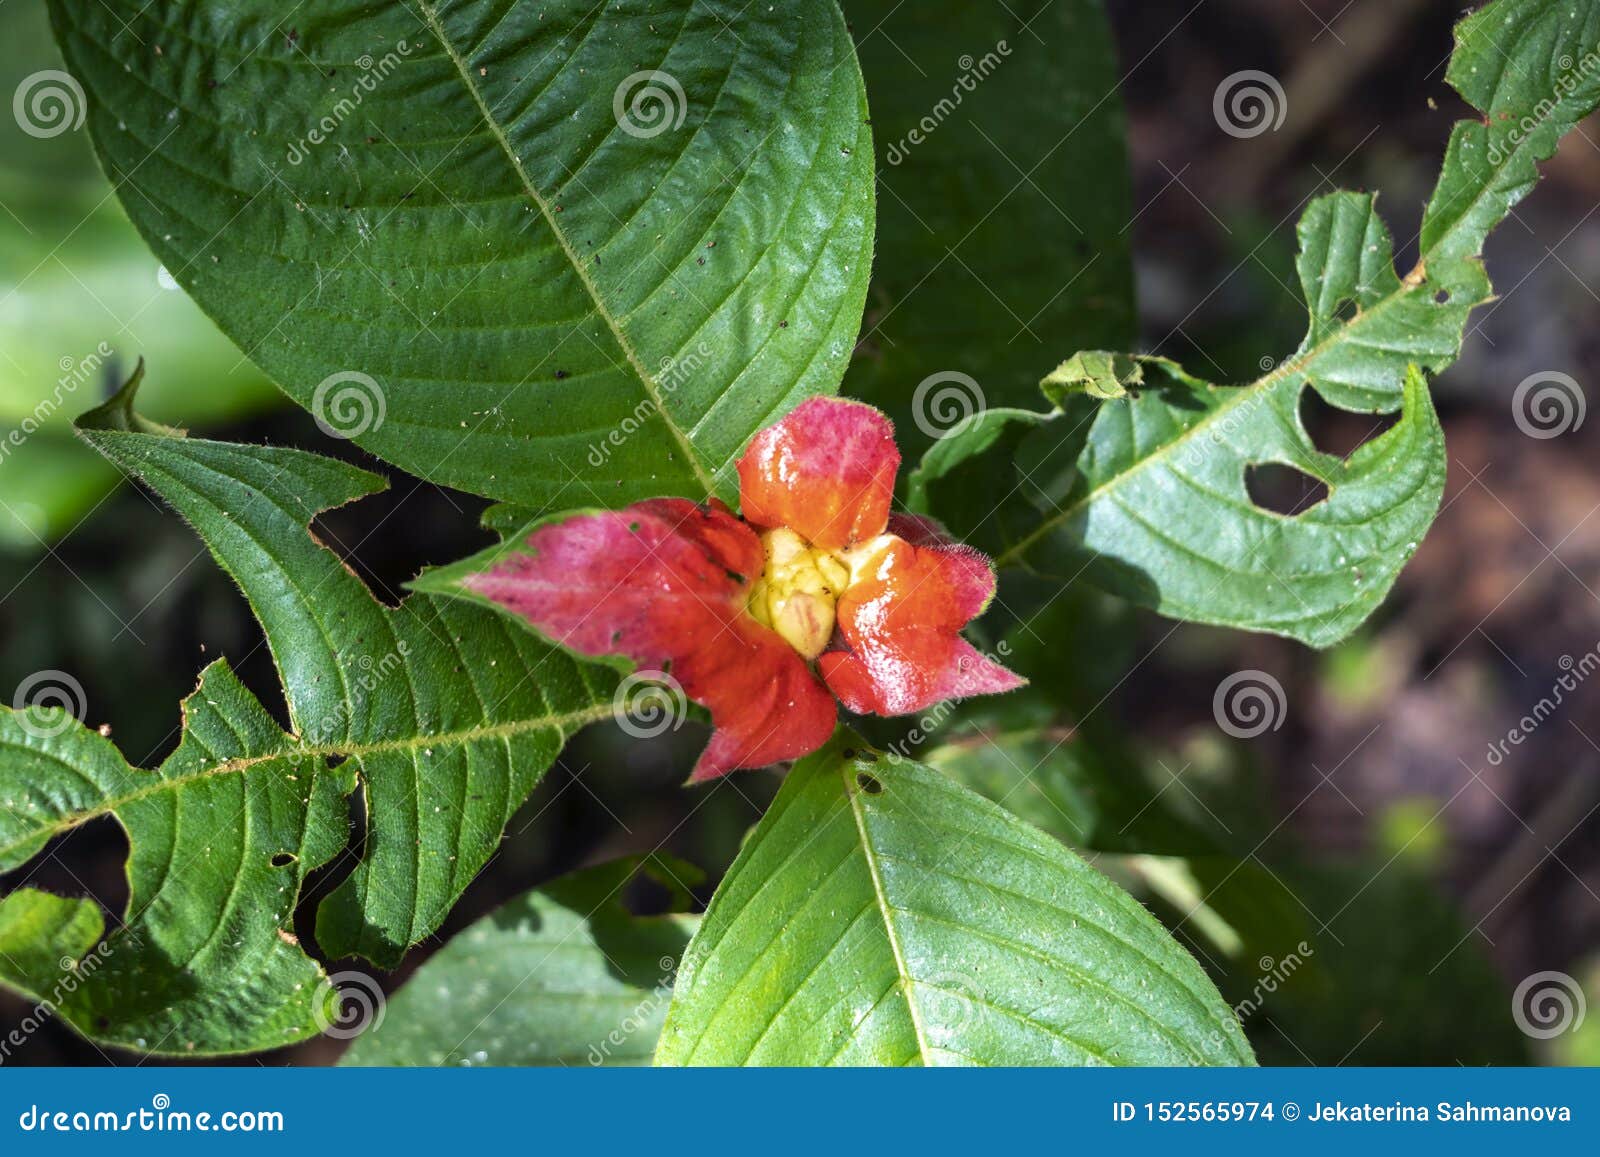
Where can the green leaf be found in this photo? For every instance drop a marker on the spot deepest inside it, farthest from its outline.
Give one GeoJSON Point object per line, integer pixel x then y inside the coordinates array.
{"type": "Point", "coordinates": [509, 250]}
{"type": "Point", "coordinates": [223, 835]}
{"type": "Point", "coordinates": [879, 914]}
{"type": "Point", "coordinates": [1150, 498]}
{"type": "Point", "coordinates": [1158, 509]}
{"type": "Point", "coordinates": [1097, 373]}
{"type": "Point", "coordinates": [564, 975]}
{"type": "Point", "coordinates": [44, 941]}
{"type": "Point", "coordinates": [1003, 206]}
{"type": "Point", "coordinates": [442, 716]}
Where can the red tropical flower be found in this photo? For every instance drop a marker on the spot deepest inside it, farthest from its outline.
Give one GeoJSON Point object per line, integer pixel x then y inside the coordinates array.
{"type": "Point", "coordinates": [818, 591]}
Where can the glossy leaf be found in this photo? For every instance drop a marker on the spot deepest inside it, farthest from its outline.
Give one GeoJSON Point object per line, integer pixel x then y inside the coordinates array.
{"type": "Point", "coordinates": [563, 975]}
{"type": "Point", "coordinates": [1148, 495]}
{"type": "Point", "coordinates": [576, 252]}
{"type": "Point", "coordinates": [443, 717]}
{"type": "Point", "coordinates": [879, 914]}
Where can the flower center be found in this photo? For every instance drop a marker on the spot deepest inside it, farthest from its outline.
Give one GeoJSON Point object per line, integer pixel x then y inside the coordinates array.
{"type": "Point", "coordinates": [799, 589]}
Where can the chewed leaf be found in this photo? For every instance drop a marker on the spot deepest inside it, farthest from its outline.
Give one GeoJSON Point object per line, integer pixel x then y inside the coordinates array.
{"type": "Point", "coordinates": [442, 717]}
{"type": "Point", "coordinates": [1097, 373]}
{"type": "Point", "coordinates": [1147, 495]}
{"type": "Point", "coordinates": [1160, 508]}
{"type": "Point", "coordinates": [506, 247]}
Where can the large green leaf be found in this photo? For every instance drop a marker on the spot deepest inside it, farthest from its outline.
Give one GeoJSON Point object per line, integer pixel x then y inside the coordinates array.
{"type": "Point", "coordinates": [523, 249]}
{"type": "Point", "coordinates": [443, 716]}
{"type": "Point", "coordinates": [1148, 495]}
{"type": "Point", "coordinates": [880, 914]}
{"type": "Point", "coordinates": [1003, 206]}
{"type": "Point", "coordinates": [564, 975]}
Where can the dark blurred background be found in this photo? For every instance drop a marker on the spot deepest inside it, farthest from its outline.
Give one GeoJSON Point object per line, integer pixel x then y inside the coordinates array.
{"type": "Point", "coordinates": [1438, 880]}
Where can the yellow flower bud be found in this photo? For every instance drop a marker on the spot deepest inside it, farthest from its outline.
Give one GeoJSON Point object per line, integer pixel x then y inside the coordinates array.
{"type": "Point", "coordinates": [797, 591]}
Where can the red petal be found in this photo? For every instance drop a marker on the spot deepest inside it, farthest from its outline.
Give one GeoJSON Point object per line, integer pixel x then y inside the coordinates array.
{"type": "Point", "coordinates": [664, 583]}
{"type": "Point", "coordinates": [901, 624]}
{"type": "Point", "coordinates": [826, 471]}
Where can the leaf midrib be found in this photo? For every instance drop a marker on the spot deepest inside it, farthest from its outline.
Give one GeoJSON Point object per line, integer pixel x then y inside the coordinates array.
{"type": "Point", "coordinates": [886, 913]}
{"type": "Point", "coordinates": [559, 721]}
{"type": "Point", "coordinates": [1013, 554]}
{"type": "Point", "coordinates": [612, 322]}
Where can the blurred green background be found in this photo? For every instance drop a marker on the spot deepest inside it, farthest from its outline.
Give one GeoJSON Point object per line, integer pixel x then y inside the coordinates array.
{"type": "Point", "coordinates": [1425, 882]}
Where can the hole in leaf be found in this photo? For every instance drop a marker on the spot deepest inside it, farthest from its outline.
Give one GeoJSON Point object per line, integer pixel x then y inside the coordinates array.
{"type": "Point", "coordinates": [384, 563]}
{"type": "Point", "coordinates": [87, 860]}
{"type": "Point", "coordinates": [334, 760]}
{"type": "Point", "coordinates": [1283, 489]}
{"type": "Point", "coordinates": [1442, 297]}
{"type": "Point", "coordinates": [644, 895]}
{"type": "Point", "coordinates": [284, 859]}
{"type": "Point", "coordinates": [1346, 311]}
{"type": "Point", "coordinates": [1339, 432]}
{"type": "Point", "coordinates": [868, 783]}
{"type": "Point", "coordinates": [320, 883]}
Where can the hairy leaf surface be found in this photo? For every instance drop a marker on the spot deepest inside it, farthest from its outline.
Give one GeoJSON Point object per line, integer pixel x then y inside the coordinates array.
{"type": "Point", "coordinates": [880, 914]}
{"type": "Point", "coordinates": [439, 712]}
{"type": "Point", "coordinates": [1148, 495]}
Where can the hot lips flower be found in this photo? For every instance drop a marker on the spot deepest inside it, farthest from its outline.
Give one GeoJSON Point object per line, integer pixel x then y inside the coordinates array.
{"type": "Point", "coordinates": [818, 591]}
